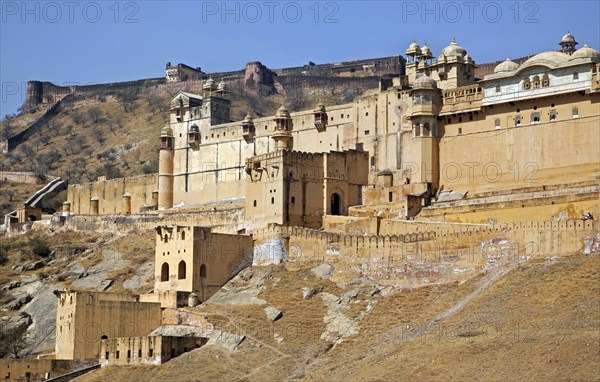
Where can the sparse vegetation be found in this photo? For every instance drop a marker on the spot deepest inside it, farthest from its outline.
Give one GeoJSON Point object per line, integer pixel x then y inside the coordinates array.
{"type": "Point", "coordinates": [39, 246]}
{"type": "Point", "coordinates": [13, 342]}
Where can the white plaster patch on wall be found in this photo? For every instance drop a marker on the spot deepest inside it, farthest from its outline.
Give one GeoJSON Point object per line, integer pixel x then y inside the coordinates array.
{"type": "Point", "coordinates": [270, 252]}
{"type": "Point", "coordinates": [591, 244]}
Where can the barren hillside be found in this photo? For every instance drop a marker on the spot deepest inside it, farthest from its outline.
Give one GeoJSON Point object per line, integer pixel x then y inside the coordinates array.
{"type": "Point", "coordinates": [540, 322]}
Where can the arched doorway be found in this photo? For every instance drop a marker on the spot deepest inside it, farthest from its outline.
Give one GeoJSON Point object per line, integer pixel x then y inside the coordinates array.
{"type": "Point", "coordinates": [203, 271]}
{"type": "Point", "coordinates": [181, 270]}
{"type": "Point", "coordinates": [164, 272]}
{"type": "Point", "coordinates": [336, 204]}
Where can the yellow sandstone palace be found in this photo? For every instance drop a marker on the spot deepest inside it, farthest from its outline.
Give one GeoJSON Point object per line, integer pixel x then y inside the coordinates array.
{"type": "Point", "coordinates": [437, 138]}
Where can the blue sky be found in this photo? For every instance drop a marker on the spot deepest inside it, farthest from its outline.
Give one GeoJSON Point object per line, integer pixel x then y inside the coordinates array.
{"type": "Point", "coordinates": [81, 42]}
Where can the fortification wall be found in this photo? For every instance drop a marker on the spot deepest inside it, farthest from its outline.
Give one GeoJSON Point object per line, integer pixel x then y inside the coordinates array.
{"type": "Point", "coordinates": [34, 369]}
{"type": "Point", "coordinates": [228, 220]}
{"type": "Point", "coordinates": [441, 253]}
{"type": "Point", "coordinates": [46, 92]}
{"type": "Point", "coordinates": [562, 207]}
{"type": "Point", "coordinates": [22, 177]}
{"type": "Point", "coordinates": [145, 350]}
{"type": "Point", "coordinates": [110, 194]}
{"type": "Point", "coordinates": [24, 134]}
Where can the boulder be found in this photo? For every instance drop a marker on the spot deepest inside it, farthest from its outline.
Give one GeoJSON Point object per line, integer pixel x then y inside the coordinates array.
{"type": "Point", "coordinates": [308, 293]}
{"type": "Point", "coordinates": [350, 295]}
{"type": "Point", "coordinates": [323, 271]}
{"type": "Point", "coordinates": [273, 314]}
{"type": "Point", "coordinates": [225, 340]}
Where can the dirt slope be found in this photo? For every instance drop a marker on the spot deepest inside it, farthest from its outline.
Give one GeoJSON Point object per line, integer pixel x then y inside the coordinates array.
{"type": "Point", "coordinates": [539, 322]}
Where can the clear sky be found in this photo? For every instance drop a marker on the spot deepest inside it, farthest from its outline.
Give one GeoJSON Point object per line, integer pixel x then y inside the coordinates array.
{"type": "Point", "coordinates": [81, 42]}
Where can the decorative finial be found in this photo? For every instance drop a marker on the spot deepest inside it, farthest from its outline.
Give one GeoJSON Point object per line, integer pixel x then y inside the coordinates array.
{"type": "Point", "coordinates": [454, 39]}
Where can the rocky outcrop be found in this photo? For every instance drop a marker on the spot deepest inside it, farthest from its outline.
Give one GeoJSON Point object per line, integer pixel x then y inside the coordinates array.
{"type": "Point", "coordinates": [257, 74]}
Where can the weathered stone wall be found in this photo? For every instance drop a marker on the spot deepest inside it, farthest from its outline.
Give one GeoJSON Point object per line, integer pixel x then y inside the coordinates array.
{"type": "Point", "coordinates": [110, 194]}
{"type": "Point", "coordinates": [145, 350]}
{"type": "Point", "coordinates": [554, 206]}
{"type": "Point", "coordinates": [224, 220]}
{"type": "Point", "coordinates": [24, 134]}
{"type": "Point", "coordinates": [33, 369]}
{"type": "Point", "coordinates": [21, 177]}
{"type": "Point", "coordinates": [438, 254]}
{"type": "Point", "coordinates": [83, 318]}
{"type": "Point", "coordinates": [194, 259]}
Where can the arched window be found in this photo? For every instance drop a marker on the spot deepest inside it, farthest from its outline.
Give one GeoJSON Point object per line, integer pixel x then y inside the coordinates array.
{"type": "Point", "coordinates": [293, 200]}
{"type": "Point", "coordinates": [417, 128]}
{"type": "Point", "coordinates": [254, 203]}
{"type": "Point", "coordinates": [497, 123]}
{"type": "Point", "coordinates": [536, 82]}
{"type": "Point", "coordinates": [203, 271]}
{"type": "Point", "coordinates": [182, 235]}
{"type": "Point", "coordinates": [164, 272]}
{"type": "Point", "coordinates": [426, 129]}
{"type": "Point", "coordinates": [575, 112]}
{"type": "Point", "coordinates": [166, 238]}
{"type": "Point", "coordinates": [535, 118]}
{"type": "Point", "coordinates": [181, 270]}
{"type": "Point", "coordinates": [372, 161]}
{"type": "Point", "coordinates": [553, 116]}
{"type": "Point", "coordinates": [526, 84]}
{"type": "Point", "coordinates": [545, 80]}
{"type": "Point", "coordinates": [272, 200]}
{"type": "Point", "coordinates": [518, 120]}
{"type": "Point", "coordinates": [104, 337]}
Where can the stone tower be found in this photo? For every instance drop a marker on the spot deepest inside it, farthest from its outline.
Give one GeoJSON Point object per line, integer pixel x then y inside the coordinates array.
{"type": "Point", "coordinates": [425, 108]}
{"type": "Point", "coordinates": [568, 43]}
{"type": "Point", "coordinates": [283, 126]}
{"type": "Point", "coordinates": [165, 169]}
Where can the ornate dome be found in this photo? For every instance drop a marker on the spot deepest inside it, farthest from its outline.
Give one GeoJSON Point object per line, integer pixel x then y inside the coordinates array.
{"type": "Point", "coordinates": [454, 50]}
{"type": "Point", "coordinates": [282, 112]}
{"type": "Point", "coordinates": [468, 58]}
{"type": "Point", "coordinates": [413, 49]}
{"type": "Point", "coordinates": [209, 84]}
{"type": "Point", "coordinates": [248, 119]}
{"type": "Point", "coordinates": [166, 131]}
{"type": "Point", "coordinates": [424, 82]}
{"type": "Point", "coordinates": [506, 66]}
{"type": "Point", "coordinates": [425, 51]}
{"type": "Point", "coordinates": [568, 38]}
{"type": "Point", "coordinates": [585, 52]}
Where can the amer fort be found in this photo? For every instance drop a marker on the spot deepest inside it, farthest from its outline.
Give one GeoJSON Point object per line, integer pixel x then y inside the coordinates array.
{"type": "Point", "coordinates": [441, 172]}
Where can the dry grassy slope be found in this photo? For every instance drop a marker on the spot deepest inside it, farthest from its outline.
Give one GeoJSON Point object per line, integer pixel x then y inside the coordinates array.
{"type": "Point", "coordinates": [85, 248]}
{"type": "Point", "coordinates": [540, 322]}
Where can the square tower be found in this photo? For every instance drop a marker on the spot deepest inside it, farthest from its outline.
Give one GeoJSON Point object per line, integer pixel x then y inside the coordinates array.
{"type": "Point", "coordinates": [193, 259]}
